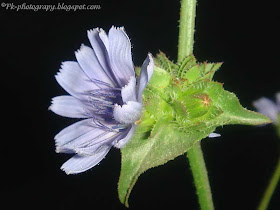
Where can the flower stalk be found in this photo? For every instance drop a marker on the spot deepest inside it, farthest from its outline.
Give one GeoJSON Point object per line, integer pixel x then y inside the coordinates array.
{"type": "Point", "coordinates": [195, 154]}
{"type": "Point", "coordinates": [272, 110]}
{"type": "Point", "coordinates": [186, 28]}
{"type": "Point", "coordinates": [270, 188]}
{"type": "Point", "coordinates": [200, 176]}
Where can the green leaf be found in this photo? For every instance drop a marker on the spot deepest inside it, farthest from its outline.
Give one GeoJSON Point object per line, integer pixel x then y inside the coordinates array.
{"type": "Point", "coordinates": [233, 112]}
{"type": "Point", "coordinates": [165, 143]}
{"type": "Point", "coordinates": [205, 94]}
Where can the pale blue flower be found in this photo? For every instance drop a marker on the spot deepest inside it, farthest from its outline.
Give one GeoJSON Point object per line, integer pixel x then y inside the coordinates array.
{"type": "Point", "coordinates": [269, 108]}
{"type": "Point", "coordinates": [104, 91]}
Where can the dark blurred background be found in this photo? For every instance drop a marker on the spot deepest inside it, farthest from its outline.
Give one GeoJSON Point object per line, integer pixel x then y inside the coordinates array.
{"type": "Point", "coordinates": [242, 34]}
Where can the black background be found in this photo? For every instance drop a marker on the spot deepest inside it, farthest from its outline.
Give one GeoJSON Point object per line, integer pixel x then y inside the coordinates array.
{"type": "Point", "coordinates": [242, 34]}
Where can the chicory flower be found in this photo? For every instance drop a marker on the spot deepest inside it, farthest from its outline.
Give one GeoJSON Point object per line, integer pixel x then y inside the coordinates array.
{"type": "Point", "coordinates": [104, 91]}
{"type": "Point", "coordinates": [269, 108]}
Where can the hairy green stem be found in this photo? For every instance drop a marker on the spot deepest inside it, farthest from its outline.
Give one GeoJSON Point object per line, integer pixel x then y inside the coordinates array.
{"type": "Point", "coordinates": [200, 176]}
{"type": "Point", "coordinates": [270, 188]}
{"type": "Point", "coordinates": [186, 29]}
{"type": "Point", "coordinates": [195, 155]}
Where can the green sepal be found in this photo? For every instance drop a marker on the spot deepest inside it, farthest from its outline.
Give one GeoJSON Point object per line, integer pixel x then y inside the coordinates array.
{"type": "Point", "coordinates": [192, 75]}
{"type": "Point", "coordinates": [163, 62]}
{"type": "Point", "coordinates": [186, 65]}
{"type": "Point", "coordinates": [189, 70]}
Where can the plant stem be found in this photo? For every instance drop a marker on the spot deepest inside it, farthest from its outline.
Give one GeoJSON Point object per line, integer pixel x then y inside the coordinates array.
{"type": "Point", "coordinates": [270, 188]}
{"type": "Point", "coordinates": [200, 176]}
{"type": "Point", "coordinates": [195, 155]}
{"type": "Point", "coordinates": [186, 29]}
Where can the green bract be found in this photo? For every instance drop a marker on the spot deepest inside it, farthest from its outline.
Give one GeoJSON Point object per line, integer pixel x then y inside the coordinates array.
{"type": "Point", "coordinates": [182, 105]}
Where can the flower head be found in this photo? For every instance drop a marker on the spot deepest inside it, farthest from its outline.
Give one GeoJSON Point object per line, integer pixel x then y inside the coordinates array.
{"type": "Point", "coordinates": [269, 108]}
{"type": "Point", "coordinates": [104, 91]}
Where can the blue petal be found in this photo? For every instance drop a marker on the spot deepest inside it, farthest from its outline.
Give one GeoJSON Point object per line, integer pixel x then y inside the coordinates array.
{"type": "Point", "coordinates": [91, 66]}
{"type": "Point", "coordinates": [147, 70]}
{"type": "Point", "coordinates": [86, 138]}
{"type": "Point", "coordinates": [86, 134]}
{"type": "Point", "coordinates": [103, 36]}
{"type": "Point", "coordinates": [108, 139]}
{"type": "Point", "coordinates": [129, 91]}
{"type": "Point", "coordinates": [93, 140]}
{"type": "Point", "coordinates": [72, 78]}
{"type": "Point", "coordinates": [100, 44]}
{"type": "Point", "coordinates": [121, 143]}
{"type": "Point", "coordinates": [120, 55]}
{"type": "Point", "coordinates": [128, 113]}
{"type": "Point", "coordinates": [68, 106]}
{"type": "Point", "coordinates": [83, 140]}
{"type": "Point", "coordinates": [64, 150]}
{"type": "Point", "coordinates": [73, 132]}
{"type": "Point", "coordinates": [78, 163]}
{"type": "Point", "coordinates": [268, 108]}
{"type": "Point", "coordinates": [214, 135]}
